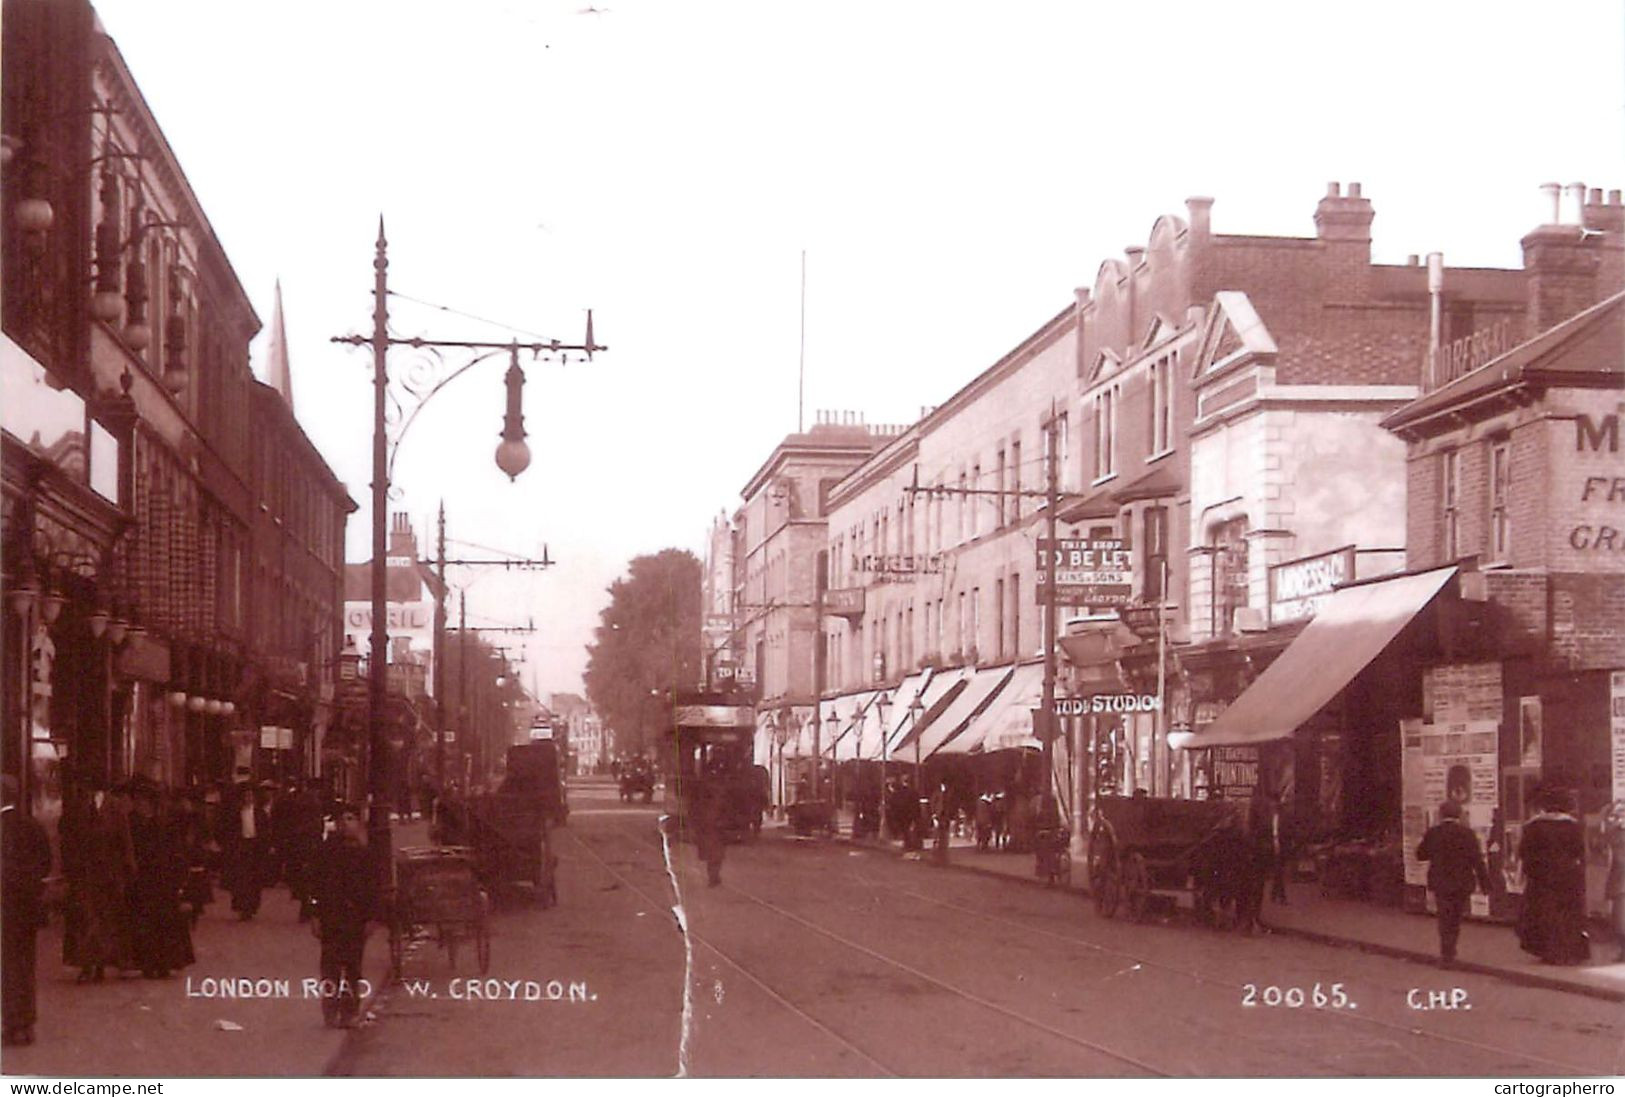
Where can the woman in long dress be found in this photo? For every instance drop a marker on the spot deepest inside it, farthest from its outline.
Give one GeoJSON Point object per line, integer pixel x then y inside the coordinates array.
{"type": "Point", "coordinates": [99, 862]}
{"type": "Point", "coordinates": [1553, 855]}
{"type": "Point", "coordinates": [162, 937]}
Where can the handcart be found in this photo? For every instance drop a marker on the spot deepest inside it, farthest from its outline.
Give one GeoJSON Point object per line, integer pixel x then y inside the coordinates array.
{"type": "Point", "coordinates": [437, 892]}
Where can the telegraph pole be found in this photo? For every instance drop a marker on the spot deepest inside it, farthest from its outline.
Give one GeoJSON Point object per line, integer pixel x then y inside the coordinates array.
{"type": "Point", "coordinates": [1052, 504]}
{"type": "Point", "coordinates": [440, 658]}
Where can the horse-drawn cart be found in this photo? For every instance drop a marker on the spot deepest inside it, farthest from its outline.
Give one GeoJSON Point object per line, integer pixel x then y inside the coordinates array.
{"type": "Point", "coordinates": [437, 892]}
{"type": "Point", "coordinates": [512, 843]}
{"type": "Point", "coordinates": [1142, 845]}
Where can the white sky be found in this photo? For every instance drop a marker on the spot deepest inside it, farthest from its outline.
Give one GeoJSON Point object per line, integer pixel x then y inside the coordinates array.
{"type": "Point", "coordinates": [953, 171]}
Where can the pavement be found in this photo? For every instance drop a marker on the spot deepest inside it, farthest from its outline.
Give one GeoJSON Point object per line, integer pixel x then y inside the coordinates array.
{"type": "Point", "coordinates": [183, 1026]}
{"type": "Point", "coordinates": [1488, 948]}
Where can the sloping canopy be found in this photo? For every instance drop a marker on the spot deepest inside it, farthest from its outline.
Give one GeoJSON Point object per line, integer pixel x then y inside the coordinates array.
{"type": "Point", "coordinates": [895, 715]}
{"type": "Point", "coordinates": [938, 692]}
{"type": "Point", "coordinates": [983, 686]}
{"type": "Point", "coordinates": [1008, 720]}
{"type": "Point", "coordinates": [851, 712]}
{"type": "Point", "coordinates": [1351, 628]}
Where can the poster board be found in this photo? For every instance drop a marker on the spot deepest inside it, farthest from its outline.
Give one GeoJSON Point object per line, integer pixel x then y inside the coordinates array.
{"type": "Point", "coordinates": [1453, 752]}
{"type": "Point", "coordinates": [1459, 762]}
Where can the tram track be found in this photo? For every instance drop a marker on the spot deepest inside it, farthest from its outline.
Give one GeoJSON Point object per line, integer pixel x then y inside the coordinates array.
{"type": "Point", "coordinates": [1209, 980]}
{"type": "Point", "coordinates": [757, 980]}
{"type": "Point", "coordinates": [1374, 1024]}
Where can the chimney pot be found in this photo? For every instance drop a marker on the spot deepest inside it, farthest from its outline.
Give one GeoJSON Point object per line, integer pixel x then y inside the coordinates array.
{"type": "Point", "coordinates": [1201, 216]}
{"type": "Point", "coordinates": [1594, 197]}
{"type": "Point", "coordinates": [1554, 196]}
{"type": "Point", "coordinates": [1354, 190]}
{"type": "Point", "coordinates": [1577, 201]}
{"type": "Point", "coordinates": [1613, 198]}
{"type": "Point", "coordinates": [1413, 260]}
{"type": "Point", "coordinates": [1334, 190]}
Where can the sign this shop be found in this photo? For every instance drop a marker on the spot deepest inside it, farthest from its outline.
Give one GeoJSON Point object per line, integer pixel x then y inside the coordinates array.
{"type": "Point", "coordinates": [1297, 587]}
{"type": "Point", "coordinates": [1086, 571]}
{"type": "Point", "coordinates": [1596, 436]}
{"type": "Point", "coordinates": [413, 615]}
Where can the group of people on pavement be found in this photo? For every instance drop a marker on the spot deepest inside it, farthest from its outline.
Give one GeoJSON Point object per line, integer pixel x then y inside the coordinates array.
{"type": "Point", "coordinates": [1552, 923]}
{"type": "Point", "coordinates": [140, 863]}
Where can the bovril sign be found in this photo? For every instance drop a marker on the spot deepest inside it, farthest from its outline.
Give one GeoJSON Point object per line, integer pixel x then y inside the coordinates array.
{"type": "Point", "coordinates": [401, 616]}
{"type": "Point", "coordinates": [1104, 703]}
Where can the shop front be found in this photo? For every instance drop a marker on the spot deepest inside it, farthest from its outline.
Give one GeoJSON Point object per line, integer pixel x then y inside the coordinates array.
{"type": "Point", "coordinates": [1322, 727]}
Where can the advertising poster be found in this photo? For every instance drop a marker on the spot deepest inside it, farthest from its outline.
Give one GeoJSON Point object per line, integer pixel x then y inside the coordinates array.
{"type": "Point", "coordinates": [1529, 736]}
{"type": "Point", "coordinates": [1414, 813]}
{"type": "Point", "coordinates": [1454, 753]}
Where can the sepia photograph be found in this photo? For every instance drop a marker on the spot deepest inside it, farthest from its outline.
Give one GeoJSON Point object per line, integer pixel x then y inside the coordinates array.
{"type": "Point", "coordinates": [621, 540]}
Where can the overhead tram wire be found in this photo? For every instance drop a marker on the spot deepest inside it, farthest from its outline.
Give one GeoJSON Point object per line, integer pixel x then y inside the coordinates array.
{"type": "Point", "coordinates": [469, 315]}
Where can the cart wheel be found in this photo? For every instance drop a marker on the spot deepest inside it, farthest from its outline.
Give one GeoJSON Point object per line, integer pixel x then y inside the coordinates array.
{"type": "Point", "coordinates": [1136, 885]}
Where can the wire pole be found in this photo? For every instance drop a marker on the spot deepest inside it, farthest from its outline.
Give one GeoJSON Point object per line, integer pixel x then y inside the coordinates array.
{"type": "Point", "coordinates": [801, 367]}
{"type": "Point", "coordinates": [1052, 503]}
{"type": "Point", "coordinates": [440, 659]}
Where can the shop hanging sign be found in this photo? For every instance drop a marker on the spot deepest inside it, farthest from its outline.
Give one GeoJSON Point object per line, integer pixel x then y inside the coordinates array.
{"type": "Point", "coordinates": [1096, 572]}
{"type": "Point", "coordinates": [1107, 704]}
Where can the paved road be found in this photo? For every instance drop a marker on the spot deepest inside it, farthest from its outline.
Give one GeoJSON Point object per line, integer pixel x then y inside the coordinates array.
{"type": "Point", "coordinates": [816, 958]}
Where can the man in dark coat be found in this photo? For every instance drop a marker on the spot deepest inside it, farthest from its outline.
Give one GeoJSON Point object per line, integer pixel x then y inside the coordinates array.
{"type": "Point", "coordinates": [247, 837]}
{"type": "Point", "coordinates": [303, 839]}
{"type": "Point", "coordinates": [709, 807]}
{"type": "Point", "coordinates": [25, 862]}
{"type": "Point", "coordinates": [345, 886]}
{"type": "Point", "coordinates": [1455, 865]}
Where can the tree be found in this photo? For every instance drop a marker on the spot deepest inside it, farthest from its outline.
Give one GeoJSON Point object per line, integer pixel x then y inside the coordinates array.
{"type": "Point", "coordinates": [647, 644]}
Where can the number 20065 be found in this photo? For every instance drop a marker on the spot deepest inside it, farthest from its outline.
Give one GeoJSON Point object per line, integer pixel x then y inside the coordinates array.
{"type": "Point", "coordinates": [1296, 997]}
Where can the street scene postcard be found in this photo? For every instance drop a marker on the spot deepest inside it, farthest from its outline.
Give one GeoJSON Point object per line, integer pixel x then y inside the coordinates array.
{"type": "Point", "coordinates": [605, 540]}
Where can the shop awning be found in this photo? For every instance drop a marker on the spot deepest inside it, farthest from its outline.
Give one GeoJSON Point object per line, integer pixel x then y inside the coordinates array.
{"type": "Point", "coordinates": [983, 686]}
{"type": "Point", "coordinates": [896, 716]}
{"type": "Point", "coordinates": [1351, 628]}
{"type": "Point", "coordinates": [1007, 722]}
{"type": "Point", "coordinates": [943, 688]}
{"type": "Point", "coordinates": [850, 711]}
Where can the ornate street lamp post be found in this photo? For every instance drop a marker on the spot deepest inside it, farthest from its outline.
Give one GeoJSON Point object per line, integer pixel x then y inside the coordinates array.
{"type": "Point", "coordinates": [883, 704]}
{"type": "Point", "coordinates": [512, 456]}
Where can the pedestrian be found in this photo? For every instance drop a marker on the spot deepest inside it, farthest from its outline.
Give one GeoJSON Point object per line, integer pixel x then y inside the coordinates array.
{"type": "Point", "coordinates": [1553, 856]}
{"type": "Point", "coordinates": [247, 832]}
{"type": "Point", "coordinates": [1278, 849]}
{"type": "Point", "coordinates": [192, 835]}
{"type": "Point", "coordinates": [1256, 865]}
{"type": "Point", "coordinates": [278, 809]}
{"type": "Point", "coordinates": [25, 862]}
{"type": "Point", "coordinates": [346, 897]}
{"type": "Point", "coordinates": [98, 861]}
{"type": "Point", "coordinates": [708, 837]}
{"type": "Point", "coordinates": [160, 935]}
{"type": "Point", "coordinates": [304, 839]}
{"type": "Point", "coordinates": [1455, 865]}
{"type": "Point", "coordinates": [1615, 830]}
{"type": "Point", "coordinates": [984, 821]}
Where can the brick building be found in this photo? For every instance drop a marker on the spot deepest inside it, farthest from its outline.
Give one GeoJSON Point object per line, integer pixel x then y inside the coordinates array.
{"type": "Point", "coordinates": [129, 492]}
{"type": "Point", "coordinates": [778, 534]}
{"type": "Point", "coordinates": [295, 582]}
{"type": "Point", "coordinates": [1515, 472]}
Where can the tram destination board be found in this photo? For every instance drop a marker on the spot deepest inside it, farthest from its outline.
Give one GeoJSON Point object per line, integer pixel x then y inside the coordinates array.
{"type": "Point", "coordinates": [1088, 571]}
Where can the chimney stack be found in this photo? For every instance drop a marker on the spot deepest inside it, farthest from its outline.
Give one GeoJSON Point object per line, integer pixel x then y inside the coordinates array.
{"type": "Point", "coordinates": [1200, 212]}
{"type": "Point", "coordinates": [1566, 264]}
{"type": "Point", "coordinates": [1343, 223]}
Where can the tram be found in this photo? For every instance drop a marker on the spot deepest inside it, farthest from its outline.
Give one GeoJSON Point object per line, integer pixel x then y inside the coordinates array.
{"type": "Point", "coordinates": [709, 738]}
